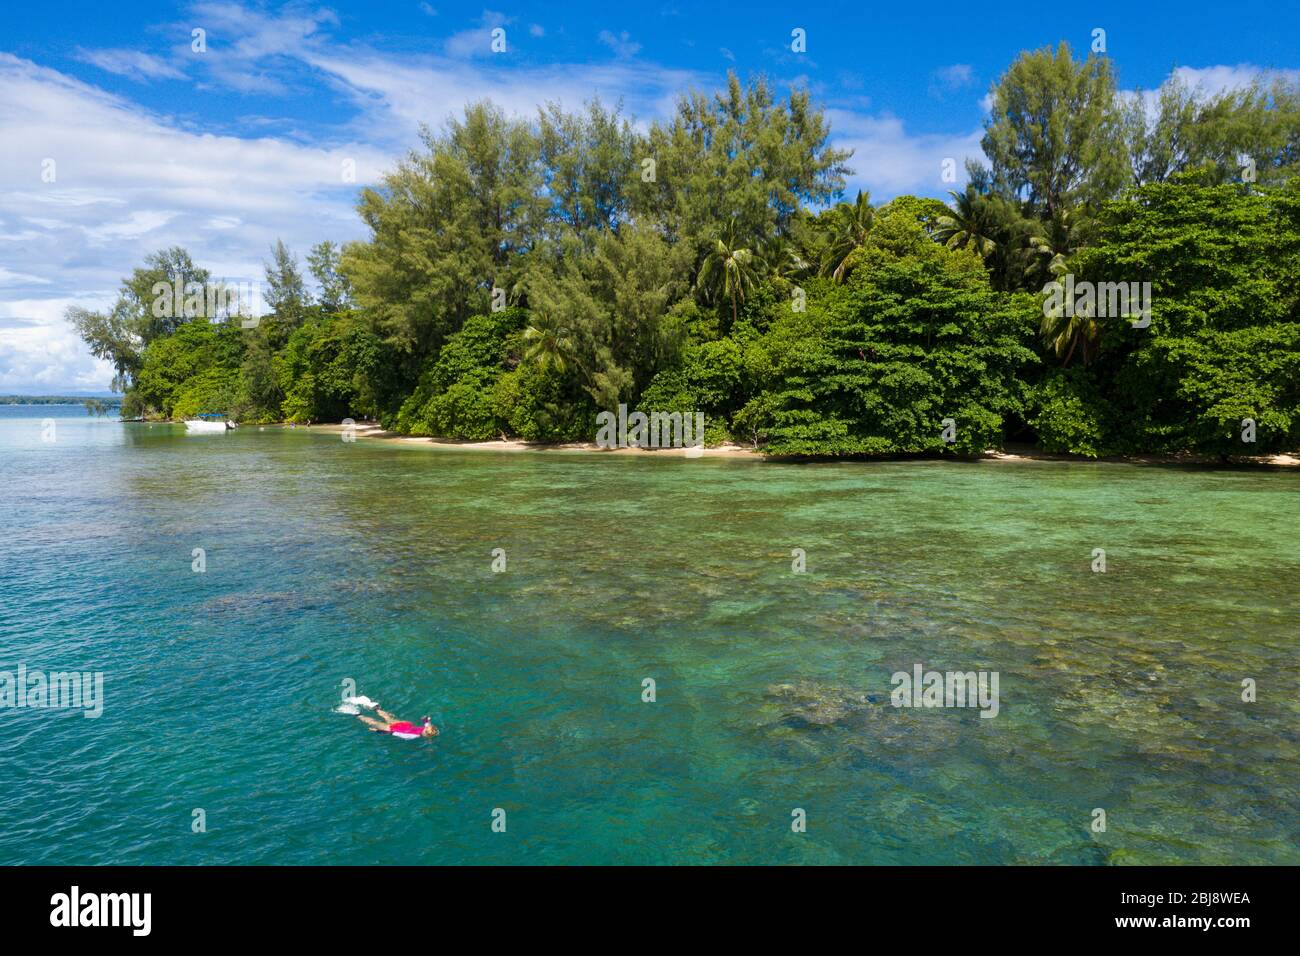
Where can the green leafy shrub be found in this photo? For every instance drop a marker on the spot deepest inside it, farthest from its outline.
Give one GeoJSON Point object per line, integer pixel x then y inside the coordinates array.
{"type": "Point", "coordinates": [1068, 415]}
{"type": "Point", "coordinates": [214, 390]}
{"type": "Point", "coordinates": [544, 406]}
{"type": "Point", "coordinates": [915, 336]}
{"type": "Point", "coordinates": [454, 397]}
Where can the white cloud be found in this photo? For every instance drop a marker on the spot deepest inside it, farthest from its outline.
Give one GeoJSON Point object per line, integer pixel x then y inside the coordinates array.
{"type": "Point", "coordinates": [623, 45]}
{"type": "Point", "coordinates": [134, 226]}
{"type": "Point", "coordinates": [889, 161]}
{"type": "Point", "coordinates": [40, 352]}
{"type": "Point", "coordinates": [950, 78]}
{"type": "Point", "coordinates": [478, 41]}
{"type": "Point", "coordinates": [469, 43]}
{"type": "Point", "coordinates": [126, 183]}
{"type": "Point", "coordinates": [253, 52]}
{"type": "Point", "coordinates": [396, 95]}
{"type": "Point", "coordinates": [258, 35]}
{"type": "Point", "coordinates": [1211, 81]}
{"type": "Point", "coordinates": [8, 277]}
{"type": "Point", "coordinates": [1217, 79]}
{"type": "Point", "coordinates": [132, 64]}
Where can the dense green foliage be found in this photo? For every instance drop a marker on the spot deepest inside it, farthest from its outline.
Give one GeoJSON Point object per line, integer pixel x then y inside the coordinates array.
{"type": "Point", "coordinates": [1224, 342]}
{"type": "Point", "coordinates": [522, 276]}
{"type": "Point", "coordinates": [915, 336]}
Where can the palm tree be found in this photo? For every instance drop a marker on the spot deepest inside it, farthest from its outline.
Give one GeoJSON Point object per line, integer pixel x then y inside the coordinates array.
{"type": "Point", "coordinates": [850, 224]}
{"type": "Point", "coordinates": [1054, 241]}
{"type": "Point", "coordinates": [729, 270]}
{"type": "Point", "coordinates": [781, 259]}
{"type": "Point", "coordinates": [550, 344]}
{"type": "Point", "coordinates": [975, 222]}
{"type": "Point", "coordinates": [1065, 333]}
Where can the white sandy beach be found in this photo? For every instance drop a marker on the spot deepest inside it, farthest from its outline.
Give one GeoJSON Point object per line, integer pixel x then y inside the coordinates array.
{"type": "Point", "coordinates": [375, 432]}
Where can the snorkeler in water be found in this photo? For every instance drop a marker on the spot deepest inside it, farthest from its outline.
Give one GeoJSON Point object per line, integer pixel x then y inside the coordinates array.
{"type": "Point", "coordinates": [401, 729]}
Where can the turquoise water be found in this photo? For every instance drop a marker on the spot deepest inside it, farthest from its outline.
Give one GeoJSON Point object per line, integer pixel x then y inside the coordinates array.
{"type": "Point", "coordinates": [372, 562]}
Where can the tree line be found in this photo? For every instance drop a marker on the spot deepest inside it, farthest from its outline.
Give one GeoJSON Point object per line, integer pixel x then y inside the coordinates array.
{"type": "Point", "coordinates": [522, 275]}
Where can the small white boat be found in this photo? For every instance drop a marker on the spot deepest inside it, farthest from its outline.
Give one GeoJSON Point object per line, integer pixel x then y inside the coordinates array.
{"type": "Point", "coordinates": [206, 424]}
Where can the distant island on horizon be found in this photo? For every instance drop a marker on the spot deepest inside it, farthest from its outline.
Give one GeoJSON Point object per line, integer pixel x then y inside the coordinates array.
{"type": "Point", "coordinates": [71, 399]}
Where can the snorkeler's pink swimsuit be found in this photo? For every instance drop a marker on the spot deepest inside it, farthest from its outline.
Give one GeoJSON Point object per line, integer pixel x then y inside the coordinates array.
{"type": "Point", "coordinates": [404, 729]}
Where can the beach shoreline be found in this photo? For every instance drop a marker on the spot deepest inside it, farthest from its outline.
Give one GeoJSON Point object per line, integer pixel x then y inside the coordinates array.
{"type": "Point", "coordinates": [743, 453]}
{"type": "Point", "coordinates": [376, 433]}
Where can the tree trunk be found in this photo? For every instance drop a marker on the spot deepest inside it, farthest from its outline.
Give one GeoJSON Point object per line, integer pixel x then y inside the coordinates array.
{"type": "Point", "coordinates": [1070, 354]}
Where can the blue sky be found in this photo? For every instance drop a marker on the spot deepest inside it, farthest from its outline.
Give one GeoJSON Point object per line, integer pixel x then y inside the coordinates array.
{"type": "Point", "coordinates": [225, 150]}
